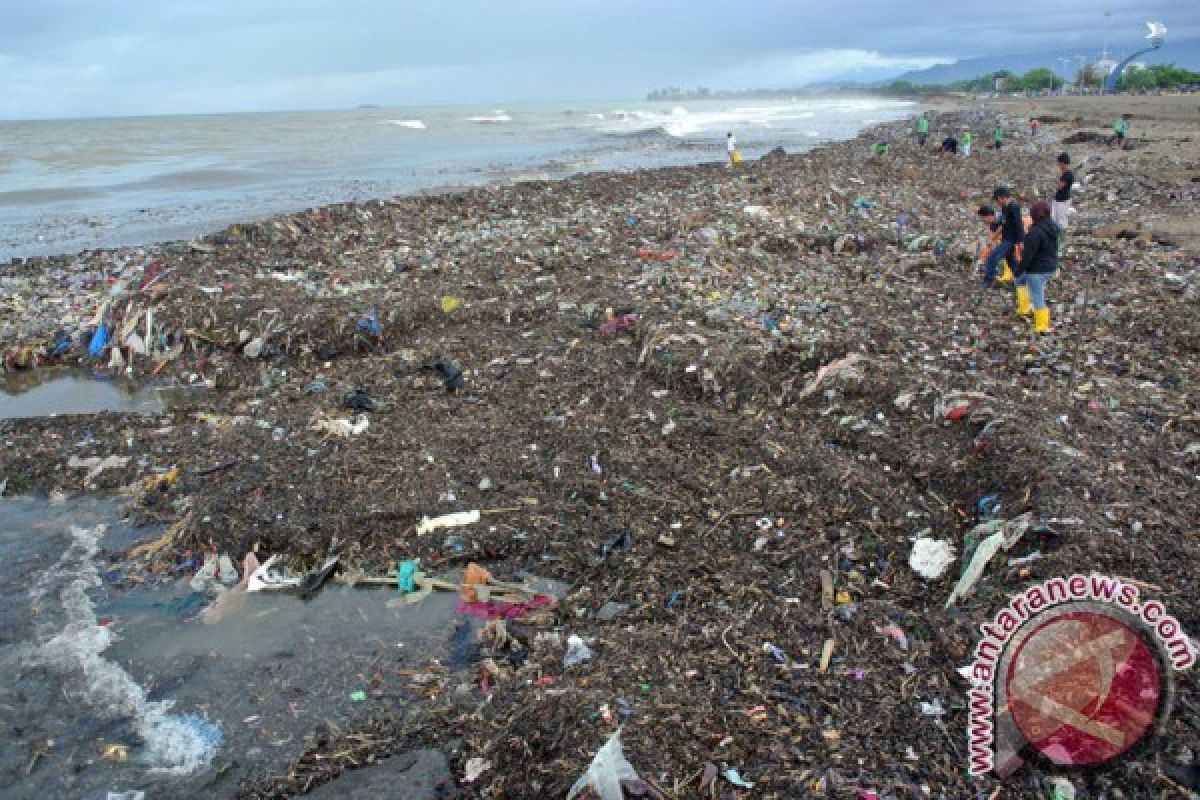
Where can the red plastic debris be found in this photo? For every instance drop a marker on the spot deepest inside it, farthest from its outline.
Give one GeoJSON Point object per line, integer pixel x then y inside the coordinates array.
{"type": "Point", "coordinates": [958, 412]}
{"type": "Point", "coordinates": [653, 256]}
{"type": "Point", "coordinates": [619, 323]}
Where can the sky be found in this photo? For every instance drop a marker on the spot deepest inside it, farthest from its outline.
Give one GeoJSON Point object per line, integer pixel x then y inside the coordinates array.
{"type": "Point", "coordinates": [65, 58]}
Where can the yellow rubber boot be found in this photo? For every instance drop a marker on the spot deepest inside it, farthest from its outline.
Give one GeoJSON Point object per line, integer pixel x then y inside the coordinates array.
{"type": "Point", "coordinates": [1006, 273]}
{"type": "Point", "coordinates": [1041, 320]}
{"type": "Point", "coordinates": [1024, 306]}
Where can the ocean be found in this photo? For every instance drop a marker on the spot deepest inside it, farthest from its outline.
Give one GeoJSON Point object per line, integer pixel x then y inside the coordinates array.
{"type": "Point", "coordinates": [70, 185]}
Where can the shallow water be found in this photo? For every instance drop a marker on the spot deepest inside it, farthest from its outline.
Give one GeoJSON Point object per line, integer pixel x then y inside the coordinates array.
{"type": "Point", "coordinates": [54, 392]}
{"type": "Point", "coordinates": [104, 689]}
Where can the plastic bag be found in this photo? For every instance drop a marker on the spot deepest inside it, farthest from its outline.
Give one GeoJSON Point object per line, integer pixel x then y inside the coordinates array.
{"type": "Point", "coordinates": [454, 520]}
{"type": "Point", "coordinates": [577, 651]}
{"type": "Point", "coordinates": [607, 770]}
{"type": "Point", "coordinates": [1006, 535]}
{"type": "Point", "coordinates": [99, 340]}
{"type": "Point", "coordinates": [930, 558]}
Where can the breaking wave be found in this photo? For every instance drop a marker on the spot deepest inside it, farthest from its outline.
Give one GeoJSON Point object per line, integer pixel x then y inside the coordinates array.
{"type": "Point", "coordinates": [174, 744]}
{"type": "Point", "coordinates": [498, 116]}
{"type": "Point", "coordinates": [682, 123]}
{"type": "Point", "coordinates": [415, 124]}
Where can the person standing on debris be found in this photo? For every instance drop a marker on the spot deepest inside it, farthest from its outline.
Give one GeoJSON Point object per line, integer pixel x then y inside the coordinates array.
{"type": "Point", "coordinates": [880, 148]}
{"type": "Point", "coordinates": [1060, 210]}
{"type": "Point", "coordinates": [731, 146]}
{"type": "Point", "coordinates": [999, 135]}
{"type": "Point", "coordinates": [950, 144]}
{"type": "Point", "coordinates": [966, 143]}
{"type": "Point", "coordinates": [1035, 126]}
{"type": "Point", "coordinates": [1039, 263]}
{"type": "Point", "coordinates": [1121, 127]}
{"type": "Point", "coordinates": [1012, 233]}
{"type": "Point", "coordinates": [922, 129]}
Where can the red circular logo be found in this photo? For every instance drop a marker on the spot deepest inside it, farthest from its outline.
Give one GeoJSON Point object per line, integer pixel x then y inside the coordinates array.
{"type": "Point", "coordinates": [1084, 687]}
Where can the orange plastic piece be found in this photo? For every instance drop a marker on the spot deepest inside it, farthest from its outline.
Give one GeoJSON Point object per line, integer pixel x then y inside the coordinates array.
{"type": "Point", "coordinates": [474, 575]}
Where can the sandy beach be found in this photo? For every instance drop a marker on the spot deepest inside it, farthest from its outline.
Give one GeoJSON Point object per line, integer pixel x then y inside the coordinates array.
{"type": "Point", "coordinates": [685, 394]}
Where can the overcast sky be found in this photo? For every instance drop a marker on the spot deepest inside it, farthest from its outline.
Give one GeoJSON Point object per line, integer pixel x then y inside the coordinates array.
{"type": "Point", "coordinates": [113, 57]}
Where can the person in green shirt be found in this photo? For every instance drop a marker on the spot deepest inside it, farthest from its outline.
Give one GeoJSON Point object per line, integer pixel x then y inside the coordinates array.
{"type": "Point", "coordinates": [1121, 127]}
{"type": "Point", "coordinates": [880, 148]}
{"type": "Point", "coordinates": [999, 133]}
{"type": "Point", "coordinates": [922, 129]}
{"type": "Point", "coordinates": [966, 143]}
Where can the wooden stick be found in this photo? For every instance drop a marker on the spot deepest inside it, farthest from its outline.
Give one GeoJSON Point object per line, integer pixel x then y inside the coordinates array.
{"type": "Point", "coordinates": [826, 590]}
{"type": "Point", "coordinates": [826, 655]}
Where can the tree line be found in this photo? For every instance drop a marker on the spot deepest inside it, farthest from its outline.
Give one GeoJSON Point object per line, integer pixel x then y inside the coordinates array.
{"type": "Point", "coordinates": [1157, 76]}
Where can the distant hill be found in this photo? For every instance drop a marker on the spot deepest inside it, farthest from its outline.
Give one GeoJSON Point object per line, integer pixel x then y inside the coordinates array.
{"type": "Point", "coordinates": [1183, 54]}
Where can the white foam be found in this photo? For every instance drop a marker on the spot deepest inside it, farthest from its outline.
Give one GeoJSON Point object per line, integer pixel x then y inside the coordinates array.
{"type": "Point", "coordinates": [499, 115]}
{"type": "Point", "coordinates": [174, 744]}
{"type": "Point", "coordinates": [415, 124]}
{"type": "Point", "coordinates": [679, 122]}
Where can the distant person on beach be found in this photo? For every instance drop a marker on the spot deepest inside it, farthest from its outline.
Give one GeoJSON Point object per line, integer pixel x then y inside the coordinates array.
{"type": "Point", "coordinates": [999, 135]}
{"type": "Point", "coordinates": [1120, 128]}
{"type": "Point", "coordinates": [1035, 126]}
{"type": "Point", "coordinates": [966, 143]}
{"type": "Point", "coordinates": [950, 144]}
{"type": "Point", "coordinates": [1060, 209]}
{"type": "Point", "coordinates": [1039, 263]}
{"type": "Point", "coordinates": [1012, 233]}
{"type": "Point", "coordinates": [922, 129]}
{"type": "Point", "coordinates": [731, 146]}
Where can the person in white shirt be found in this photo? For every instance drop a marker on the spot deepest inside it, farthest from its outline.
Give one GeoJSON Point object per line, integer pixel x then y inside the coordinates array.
{"type": "Point", "coordinates": [732, 148]}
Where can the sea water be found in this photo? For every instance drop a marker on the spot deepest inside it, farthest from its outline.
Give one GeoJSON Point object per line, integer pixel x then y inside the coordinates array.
{"type": "Point", "coordinates": [66, 185]}
{"type": "Point", "coordinates": [112, 679]}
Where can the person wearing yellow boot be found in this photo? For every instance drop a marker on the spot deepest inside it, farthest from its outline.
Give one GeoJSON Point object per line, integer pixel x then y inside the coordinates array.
{"type": "Point", "coordinates": [1012, 233]}
{"type": "Point", "coordinates": [1038, 264]}
{"type": "Point", "coordinates": [987, 215]}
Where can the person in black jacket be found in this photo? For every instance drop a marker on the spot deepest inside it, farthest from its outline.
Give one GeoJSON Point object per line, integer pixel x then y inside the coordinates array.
{"type": "Point", "coordinates": [1039, 263]}
{"type": "Point", "coordinates": [1012, 233]}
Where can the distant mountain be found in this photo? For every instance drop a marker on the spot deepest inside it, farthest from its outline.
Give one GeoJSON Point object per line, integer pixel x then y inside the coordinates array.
{"type": "Point", "coordinates": [1183, 54]}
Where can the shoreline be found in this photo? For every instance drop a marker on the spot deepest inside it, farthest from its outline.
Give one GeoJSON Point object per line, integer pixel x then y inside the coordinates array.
{"type": "Point", "coordinates": [638, 458]}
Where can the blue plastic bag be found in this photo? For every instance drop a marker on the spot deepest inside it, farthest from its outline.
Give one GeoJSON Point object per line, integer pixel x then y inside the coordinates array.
{"type": "Point", "coordinates": [99, 340]}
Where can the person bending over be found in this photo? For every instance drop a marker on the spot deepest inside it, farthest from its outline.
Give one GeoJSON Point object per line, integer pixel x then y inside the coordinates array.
{"type": "Point", "coordinates": [1012, 233]}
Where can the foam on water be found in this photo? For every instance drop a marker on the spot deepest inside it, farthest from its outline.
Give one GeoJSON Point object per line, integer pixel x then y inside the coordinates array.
{"type": "Point", "coordinates": [500, 115]}
{"type": "Point", "coordinates": [679, 122]}
{"type": "Point", "coordinates": [174, 744]}
{"type": "Point", "coordinates": [415, 124]}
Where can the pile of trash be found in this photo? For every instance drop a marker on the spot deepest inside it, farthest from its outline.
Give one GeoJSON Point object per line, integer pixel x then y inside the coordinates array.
{"type": "Point", "coordinates": [764, 423]}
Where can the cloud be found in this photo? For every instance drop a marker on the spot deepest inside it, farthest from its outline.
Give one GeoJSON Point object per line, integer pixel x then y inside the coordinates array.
{"type": "Point", "coordinates": [815, 66]}
{"type": "Point", "coordinates": [325, 91]}
{"type": "Point", "coordinates": [85, 57]}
